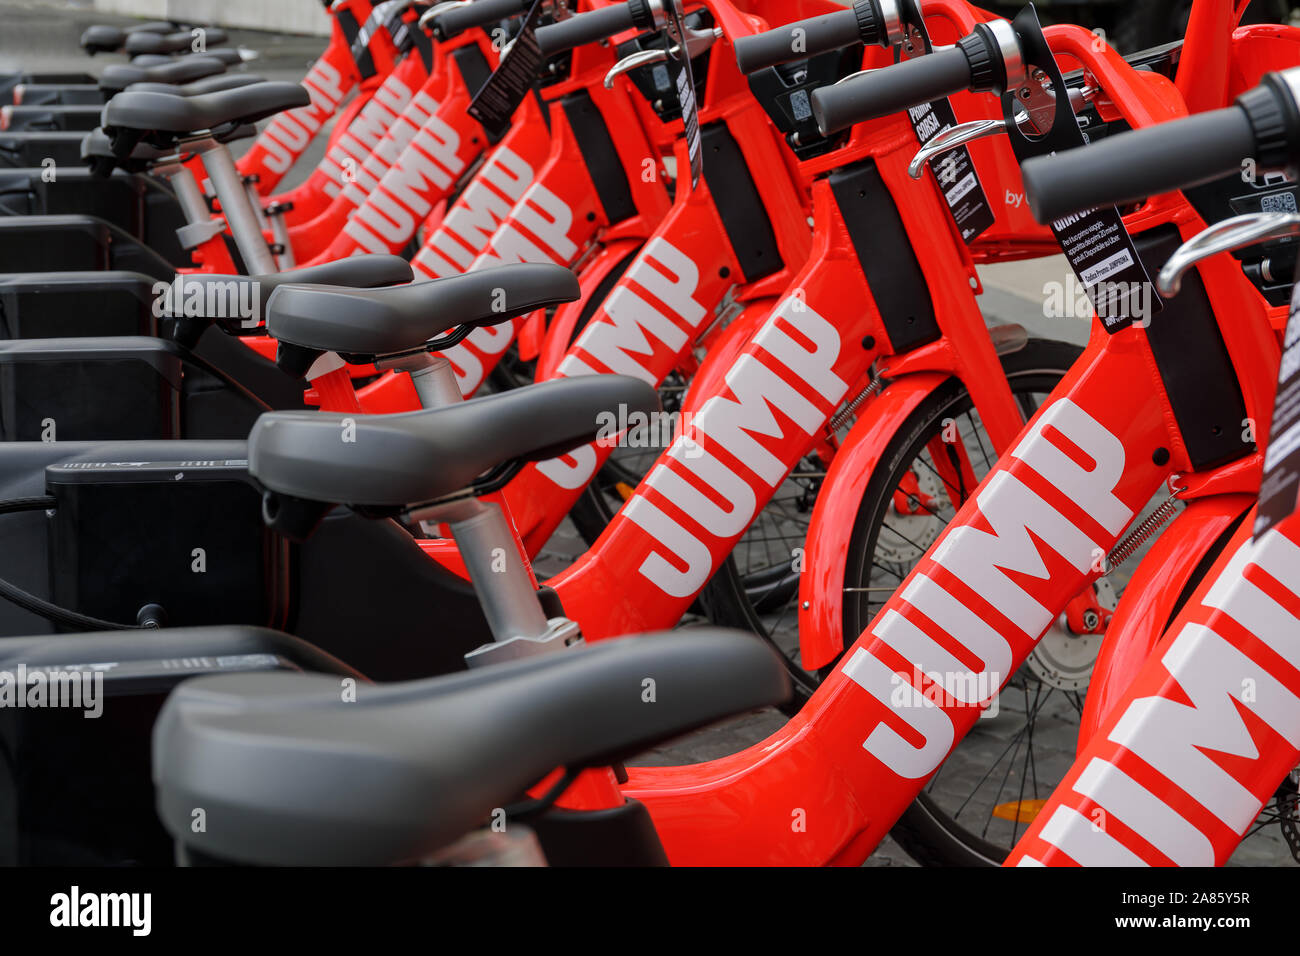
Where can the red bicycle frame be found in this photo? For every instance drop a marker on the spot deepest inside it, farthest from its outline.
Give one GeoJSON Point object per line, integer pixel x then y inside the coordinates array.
{"type": "Point", "coordinates": [1159, 582]}
{"type": "Point", "coordinates": [331, 79]}
{"type": "Point", "coordinates": [373, 123]}
{"type": "Point", "coordinates": [1004, 568]}
{"type": "Point", "coordinates": [655, 312]}
{"type": "Point", "coordinates": [1203, 736]}
{"type": "Point", "coordinates": [1145, 101]}
{"type": "Point", "coordinates": [382, 214]}
{"type": "Point", "coordinates": [1014, 556]}
{"type": "Point", "coordinates": [559, 216]}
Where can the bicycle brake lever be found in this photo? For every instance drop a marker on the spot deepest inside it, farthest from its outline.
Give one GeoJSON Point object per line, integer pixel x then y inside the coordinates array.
{"type": "Point", "coordinates": [438, 9]}
{"type": "Point", "coordinates": [697, 41]}
{"type": "Point", "coordinates": [632, 62]}
{"type": "Point", "coordinates": [1235, 233]}
{"type": "Point", "coordinates": [950, 139]}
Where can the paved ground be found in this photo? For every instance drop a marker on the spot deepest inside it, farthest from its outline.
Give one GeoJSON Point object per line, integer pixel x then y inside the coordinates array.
{"type": "Point", "coordinates": [42, 35]}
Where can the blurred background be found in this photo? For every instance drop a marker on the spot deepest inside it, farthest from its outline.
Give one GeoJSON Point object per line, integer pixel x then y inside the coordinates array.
{"type": "Point", "coordinates": [1129, 24]}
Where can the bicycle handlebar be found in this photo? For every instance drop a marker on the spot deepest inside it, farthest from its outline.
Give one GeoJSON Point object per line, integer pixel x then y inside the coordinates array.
{"type": "Point", "coordinates": [1133, 165]}
{"type": "Point", "coordinates": [1263, 127]}
{"type": "Point", "coordinates": [831, 31]}
{"type": "Point", "coordinates": [891, 90]}
{"type": "Point", "coordinates": [590, 27]}
{"type": "Point", "coordinates": [478, 14]}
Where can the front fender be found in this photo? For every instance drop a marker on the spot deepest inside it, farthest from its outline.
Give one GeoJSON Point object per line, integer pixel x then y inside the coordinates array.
{"type": "Point", "coordinates": [1149, 601]}
{"type": "Point", "coordinates": [821, 586]}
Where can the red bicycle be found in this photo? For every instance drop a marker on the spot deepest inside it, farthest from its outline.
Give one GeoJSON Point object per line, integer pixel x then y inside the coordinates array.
{"type": "Point", "coordinates": [1175, 771]}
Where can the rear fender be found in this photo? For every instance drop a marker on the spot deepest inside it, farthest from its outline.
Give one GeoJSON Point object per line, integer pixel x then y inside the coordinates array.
{"type": "Point", "coordinates": [821, 586]}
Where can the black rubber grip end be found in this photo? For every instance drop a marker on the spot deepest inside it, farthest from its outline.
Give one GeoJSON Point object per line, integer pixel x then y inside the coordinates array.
{"type": "Point", "coordinates": [643, 18]}
{"type": "Point", "coordinates": [478, 14]}
{"type": "Point", "coordinates": [891, 90]}
{"type": "Point", "coordinates": [870, 25]}
{"type": "Point", "coordinates": [1127, 167]}
{"type": "Point", "coordinates": [797, 40]}
{"type": "Point", "coordinates": [1273, 117]}
{"type": "Point", "coordinates": [590, 27]}
{"type": "Point", "coordinates": [986, 72]}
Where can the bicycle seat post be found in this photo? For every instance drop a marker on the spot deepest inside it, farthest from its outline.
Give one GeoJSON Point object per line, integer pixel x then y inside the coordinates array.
{"type": "Point", "coordinates": [430, 374]}
{"type": "Point", "coordinates": [199, 225]}
{"type": "Point", "coordinates": [520, 627]}
{"type": "Point", "coordinates": [240, 215]}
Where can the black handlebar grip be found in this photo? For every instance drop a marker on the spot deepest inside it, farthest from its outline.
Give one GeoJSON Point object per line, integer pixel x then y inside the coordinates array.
{"type": "Point", "coordinates": [478, 14]}
{"type": "Point", "coordinates": [1129, 166]}
{"type": "Point", "coordinates": [891, 90]}
{"type": "Point", "coordinates": [585, 28]}
{"type": "Point", "coordinates": [831, 31]}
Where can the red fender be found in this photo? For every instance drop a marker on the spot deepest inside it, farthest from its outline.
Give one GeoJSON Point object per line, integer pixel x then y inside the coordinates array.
{"type": "Point", "coordinates": [559, 335]}
{"type": "Point", "coordinates": [821, 586]}
{"type": "Point", "coordinates": [1148, 603]}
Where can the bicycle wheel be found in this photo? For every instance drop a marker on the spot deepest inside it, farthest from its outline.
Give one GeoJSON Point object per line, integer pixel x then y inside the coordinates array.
{"type": "Point", "coordinates": [766, 602]}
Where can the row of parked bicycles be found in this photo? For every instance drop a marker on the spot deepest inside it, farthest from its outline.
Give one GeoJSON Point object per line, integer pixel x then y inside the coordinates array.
{"type": "Point", "coordinates": [697, 281]}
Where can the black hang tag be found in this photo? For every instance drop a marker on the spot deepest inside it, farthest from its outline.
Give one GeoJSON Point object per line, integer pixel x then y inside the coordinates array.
{"type": "Point", "coordinates": [360, 51]}
{"type": "Point", "coordinates": [400, 30]}
{"type": "Point", "coordinates": [1104, 257]}
{"type": "Point", "coordinates": [1096, 243]}
{"type": "Point", "coordinates": [505, 89]}
{"type": "Point", "coordinates": [676, 34]}
{"type": "Point", "coordinates": [955, 169]}
{"type": "Point", "coordinates": [381, 15]}
{"type": "Point", "coordinates": [1279, 493]}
